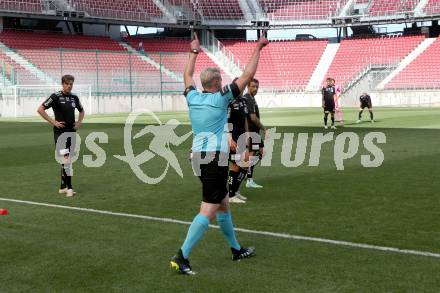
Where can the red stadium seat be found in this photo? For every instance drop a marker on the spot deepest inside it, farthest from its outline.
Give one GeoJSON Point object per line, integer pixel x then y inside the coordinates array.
{"type": "Point", "coordinates": [355, 55]}
{"type": "Point", "coordinates": [82, 56]}
{"type": "Point", "coordinates": [178, 54]}
{"type": "Point", "coordinates": [301, 9]}
{"type": "Point", "coordinates": [423, 72]}
{"type": "Point", "coordinates": [119, 9]}
{"type": "Point", "coordinates": [432, 7]}
{"type": "Point", "coordinates": [284, 65]}
{"type": "Point", "coordinates": [21, 6]}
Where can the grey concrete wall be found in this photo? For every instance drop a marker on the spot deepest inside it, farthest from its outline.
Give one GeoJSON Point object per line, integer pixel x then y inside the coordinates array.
{"type": "Point", "coordinates": [26, 106]}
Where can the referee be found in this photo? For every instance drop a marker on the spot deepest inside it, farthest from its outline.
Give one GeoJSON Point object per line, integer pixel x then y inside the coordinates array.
{"type": "Point", "coordinates": [63, 104]}
{"type": "Point", "coordinates": [208, 111]}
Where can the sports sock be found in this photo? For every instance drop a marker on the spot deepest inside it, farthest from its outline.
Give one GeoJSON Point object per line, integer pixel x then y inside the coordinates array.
{"type": "Point", "coordinates": [360, 114]}
{"type": "Point", "coordinates": [195, 232]}
{"type": "Point", "coordinates": [232, 182]}
{"type": "Point", "coordinates": [63, 182]}
{"type": "Point", "coordinates": [224, 220]}
{"type": "Point", "coordinates": [371, 115]}
{"type": "Point", "coordinates": [241, 176]}
{"type": "Point", "coordinates": [67, 179]}
{"type": "Point", "coordinates": [250, 173]}
{"type": "Point", "coordinates": [325, 119]}
{"type": "Point", "coordinates": [333, 119]}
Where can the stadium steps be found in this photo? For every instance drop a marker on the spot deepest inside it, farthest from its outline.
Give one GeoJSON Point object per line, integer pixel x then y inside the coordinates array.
{"type": "Point", "coordinates": [17, 58]}
{"type": "Point", "coordinates": [63, 5]}
{"type": "Point", "coordinates": [166, 12]}
{"type": "Point", "coordinates": [346, 9]}
{"type": "Point", "coordinates": [406, 61]}
{"type": "Point", "coordinates": [255, 5]}
{"type": "Point", "coordinates": [247, 13]}
{"type": "Point", "coordinates": [220, 60]}
{"type": "Point", "coordinates": [322, 67]}
{"type": "Point", "coordinates": [153, 63]}
{"type": "Point", "coordinates": [419, 9]}
{"type": "Point", "coordinates": [217, 54]}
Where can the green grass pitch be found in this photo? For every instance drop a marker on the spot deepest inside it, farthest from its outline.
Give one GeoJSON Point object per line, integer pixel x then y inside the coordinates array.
{"type": "Point", "coordinates": [44, 249]}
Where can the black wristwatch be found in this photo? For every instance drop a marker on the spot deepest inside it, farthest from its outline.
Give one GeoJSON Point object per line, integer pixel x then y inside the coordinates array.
{"type": "Point", "coordinates": [195, 51]}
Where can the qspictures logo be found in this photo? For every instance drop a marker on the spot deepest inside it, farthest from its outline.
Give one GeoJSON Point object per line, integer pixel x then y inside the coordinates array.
{"type": "Point", "coordinates": [346, 146]}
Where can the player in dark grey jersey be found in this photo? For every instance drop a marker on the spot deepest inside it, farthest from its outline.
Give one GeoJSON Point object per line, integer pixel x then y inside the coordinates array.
{"type": "Point", "coordinates": [63, 104]}
{"type": "Point", "coordinates": [237, 119]}
{"type": "Point", "coordinates": [328, 102]}
{"type": "Point", "coordinates": [365, 101]}
{"type": "Point", "coordinates": [256, 149]}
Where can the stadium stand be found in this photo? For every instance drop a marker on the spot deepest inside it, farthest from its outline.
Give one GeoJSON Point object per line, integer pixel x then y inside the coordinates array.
{"type": "Point", "coordinates": [14, 72]}
{"type": "Point", "coordinates": [119, 9]}
{"type": "Point", "coordinates": [289, 10]}
{"type": "Point", "coordinates": [28, 40]}
{"type": "Point", "coordinates": [293, 9]}
{"type": "Point", "coordinates": [226, 9]}
{"type": "Point", "coordinates": [432, 7]}
{"type": "Point", "coordinates": [422, 73]}
{"type": "Point", "coordinates": [284, 65]}
{"type": "Point", "coordinates": [177, 56]}
{"type": "Point", "coordinates": [21, 6]}
{"type": "Point", "coordinates": [82, 56]}
{"type": "Point", "coordinates": [387, 7]}
{"type": "Point", "coordinates": [356, 55]}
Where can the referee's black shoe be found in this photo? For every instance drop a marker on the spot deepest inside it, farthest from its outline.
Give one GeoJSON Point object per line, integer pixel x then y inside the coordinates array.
{"type": "Point", "coordinates": [242, 253]}
{"type": "Point", "coordinates": [180, 264]}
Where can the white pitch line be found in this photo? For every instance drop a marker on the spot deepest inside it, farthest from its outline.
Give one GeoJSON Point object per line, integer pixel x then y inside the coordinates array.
{"type": "Point", "coordinates": [249, 231]}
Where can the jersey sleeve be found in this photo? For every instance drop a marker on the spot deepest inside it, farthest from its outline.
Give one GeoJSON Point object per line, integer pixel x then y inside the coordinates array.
{"type": "Point", "coordinates": [190, 92]}
{"type": "Point", "coordinates": [78, 104]}
{"type": "Point", "coordinates": [250, 104]}
{"type": "Point", "coordinates": [230, 91]}
{"type": "Point", "coordinates": [245, 109]}
{"type": "Point", "coordinates": [49, 102]}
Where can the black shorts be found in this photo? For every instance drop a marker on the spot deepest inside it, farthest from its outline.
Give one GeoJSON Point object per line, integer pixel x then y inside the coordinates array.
{"type": "Point", "coordinates": [365, 105]}
{"type": "Point", "coordinates": [57, 133]}
{"type": "Point", "coordinates": [214, 180]}
{"type": "Point", "coordinates": [329, 107]}
{"type": "Point", "coordinates": [235, 155]}
{"type": "Point", "coordinates": [255, 146]}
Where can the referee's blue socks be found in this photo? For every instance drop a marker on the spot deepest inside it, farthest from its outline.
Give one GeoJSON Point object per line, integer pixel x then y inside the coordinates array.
{"type": "Point", "coordinates": [195, 233]}
{"type": "Point", "coordinates": [224, 220]}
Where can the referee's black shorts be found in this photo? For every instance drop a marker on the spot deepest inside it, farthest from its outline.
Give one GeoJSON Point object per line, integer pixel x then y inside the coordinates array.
{"type": "Point", "coordinates": [214, 180]}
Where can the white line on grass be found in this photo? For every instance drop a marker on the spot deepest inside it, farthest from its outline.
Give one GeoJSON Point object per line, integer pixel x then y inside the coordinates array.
{"type": "Point", "coordinates": [272, 234]}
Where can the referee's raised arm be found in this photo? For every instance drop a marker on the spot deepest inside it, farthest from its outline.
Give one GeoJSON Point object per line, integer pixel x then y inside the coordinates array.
{"type": "Point", "coordinates": [189, 68]}
{"type": "Point", "coordinates": [251, 67]}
